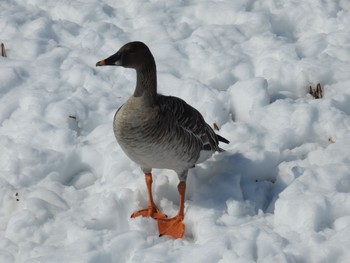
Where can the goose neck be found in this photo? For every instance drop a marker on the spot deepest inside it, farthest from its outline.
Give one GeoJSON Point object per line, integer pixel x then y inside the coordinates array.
{"type": "Point", "coordinates": [146, 83]}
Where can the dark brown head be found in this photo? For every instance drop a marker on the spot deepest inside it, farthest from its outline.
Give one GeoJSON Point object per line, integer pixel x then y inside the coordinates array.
{"type": "Point", "coordinates": [132, 55]}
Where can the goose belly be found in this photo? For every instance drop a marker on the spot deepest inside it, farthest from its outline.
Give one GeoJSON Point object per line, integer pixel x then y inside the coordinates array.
{"type": "Point", "coordinates": [151, 152]}
{"type": "Point", "coordinates": [152, 146]}
{"type": "Point", "coordinates": [151, 156]}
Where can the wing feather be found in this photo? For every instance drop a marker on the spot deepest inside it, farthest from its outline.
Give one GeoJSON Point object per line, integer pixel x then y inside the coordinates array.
{"type": "Point", "coordinates": [192, 120]}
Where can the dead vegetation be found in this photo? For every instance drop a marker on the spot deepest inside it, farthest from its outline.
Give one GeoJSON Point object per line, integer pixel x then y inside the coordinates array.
{"type": "Point", "coordinates": [331, 140]}
{"type": "Point", "coordinates": [3, 51]}
{"type": "Point", "coordinates": [316, 92]}
{"type": "Point", "coordinates": [215, 126]}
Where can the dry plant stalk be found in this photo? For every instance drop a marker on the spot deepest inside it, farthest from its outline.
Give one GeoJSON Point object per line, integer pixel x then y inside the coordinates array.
{"type": "Point", "coordinates": [317, 92]}
{"type": "Point", "coordinates": [330, 140]}
{"type": "Point", "coordinates": [3, 51]}
{"type": "Point", "coordinates": [216, 127]}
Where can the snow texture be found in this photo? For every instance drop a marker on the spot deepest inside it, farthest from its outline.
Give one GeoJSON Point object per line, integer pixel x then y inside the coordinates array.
{"type": "Point", "coordinates": [280, 192]}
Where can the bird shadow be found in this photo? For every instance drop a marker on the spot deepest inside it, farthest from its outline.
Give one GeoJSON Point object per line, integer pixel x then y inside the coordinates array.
{"type": "Point", "coordinates": [232, 177]}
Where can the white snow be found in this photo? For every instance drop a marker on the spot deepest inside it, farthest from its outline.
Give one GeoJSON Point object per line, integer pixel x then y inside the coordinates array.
{"type": "Point", "coordinates": [280, 192]}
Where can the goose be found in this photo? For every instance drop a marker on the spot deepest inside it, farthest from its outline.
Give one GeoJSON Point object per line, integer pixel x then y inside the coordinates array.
{"type": "Point", "coordinates": [161, 132]}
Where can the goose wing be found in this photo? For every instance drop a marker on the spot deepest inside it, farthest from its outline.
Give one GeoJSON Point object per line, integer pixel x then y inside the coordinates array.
{"type": "Point", "coordinates": [190, 119]}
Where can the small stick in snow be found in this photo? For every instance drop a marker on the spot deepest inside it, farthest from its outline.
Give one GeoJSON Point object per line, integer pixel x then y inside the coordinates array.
{"type": "Point", "coordinates": [216, 127]}
{"type": "Point", "coordinates": [317, 92]}
{"type": "Point", "coordinates": [3, 51]}
{"type": "Point", "coordinates": [330, 140]}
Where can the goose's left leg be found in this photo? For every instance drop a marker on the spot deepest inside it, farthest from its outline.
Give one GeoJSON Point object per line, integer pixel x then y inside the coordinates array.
{"type": "Point", "coordinates": [174, 226]}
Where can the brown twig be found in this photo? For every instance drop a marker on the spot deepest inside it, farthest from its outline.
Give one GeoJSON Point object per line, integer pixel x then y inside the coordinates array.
{"type": "Point", "coordinates": [330, 140]}
{"type": "Point", "coordinates": [3, 51]}
{"type": "Point", "coordinates": [216, 127]}
{"type": "Point", "coordinates": [316, 93]}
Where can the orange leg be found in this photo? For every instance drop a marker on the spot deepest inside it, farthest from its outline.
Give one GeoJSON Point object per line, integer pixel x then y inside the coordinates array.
{"type": "Point", "coordinates": [151, 210]}
{"type": "Point", "coordinates": [174, 226]}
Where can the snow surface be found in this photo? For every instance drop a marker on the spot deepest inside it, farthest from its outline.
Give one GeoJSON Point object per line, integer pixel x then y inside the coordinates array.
{"type": "Point", "coordinates": [280, 192]}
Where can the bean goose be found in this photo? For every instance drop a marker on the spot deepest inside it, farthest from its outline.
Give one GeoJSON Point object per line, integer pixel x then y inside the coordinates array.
{"type": "Point", "coordinates": [157, 131]}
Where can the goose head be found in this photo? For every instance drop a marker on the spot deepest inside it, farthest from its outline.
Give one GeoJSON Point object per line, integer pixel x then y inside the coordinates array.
{"type": "Point", "coordinates": [134, 55]}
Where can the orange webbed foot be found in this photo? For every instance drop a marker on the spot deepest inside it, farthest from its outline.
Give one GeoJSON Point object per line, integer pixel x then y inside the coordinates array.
{"type": "Point", "coordinates": [149, 212]}
{"type": "Point", "coordinates": [172, 227]}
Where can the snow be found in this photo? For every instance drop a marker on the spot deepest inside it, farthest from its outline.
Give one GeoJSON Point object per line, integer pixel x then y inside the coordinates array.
{"type": "Point", "coordinates": [280, 192]}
